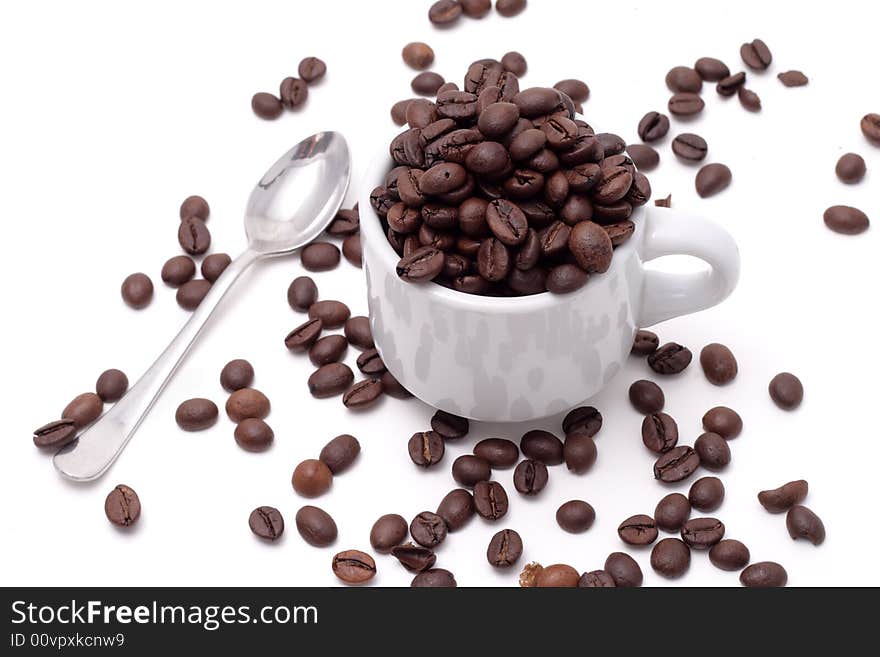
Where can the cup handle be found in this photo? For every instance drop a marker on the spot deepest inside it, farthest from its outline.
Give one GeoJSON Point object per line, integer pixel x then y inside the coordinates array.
{"type": "Point", "coordinates": [666, 295]}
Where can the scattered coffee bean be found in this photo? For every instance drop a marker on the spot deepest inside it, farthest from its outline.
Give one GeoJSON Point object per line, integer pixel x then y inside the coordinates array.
{"type": "Point", "coordinates": [542, 446]}
{"type": "Point", "coordinates": [414, 558]}
{"type": "Point", "coordinates": [497, 452]}
{"type": "Point", "coordinates": [449, 426]}
{"type": "Point", "coordinates": [351, 249]}
{"type": "Point", "coordinates": [476, 8]}
{"type": "Point", "coordinates": [428, 529]}
{"type": "Point", "coordinates": [468, 470]}
{"type": "Point", "coordinates": [236, 374]}
{"type": "Point", "coordinates": [333, 314]}
{"type": "Point", "coordinates": [713, 451]}
{"type": "Point", "coordinates": [530, 477]}
{"type": "Point", "coordinates": [801, 522]}
{"type": "Point", "coordinates": [354, 566]}
{"type": "Point", "coordinates": [266, 106]}
{"type": "Point", "coordinates": [392, 387]}
{"type": "Point", "coordinates": [427, 83]}
{"type": "Point", "coordinates": [444, 12]}
{"type": "Point", "coordinates": [557, 576]}
{"type": "Point", "coordinates": [122, 506]}
{"type": "Point", "coordinates": [787, 391]}
{"type": "Point", "coordinates": [83, 409]}
{"type": "Point", "coordinates": [346, 222]}
{"type": "Point", "coordinates": [195, 206]}
{"type": "Point", "coordinates": [728, 86]}
{"type": "Point", "coordinates": [729, 554]}
{"type": "Point", "coordinates": [645, 343]}
{"type": "Point", "coordinates": [111, 385]}
{"type": "Point", "coordinates": [362, 394]}
{"type": "Point", "coordinates": [623, 570]}
{"type": "Point", "coordinates": [646, 397]}
{"type": "Point", "coordinates": [388, 532]}
{"type": "Point", "coordinates": [253, 434]}
{"type": "Point", "coordinates": [850, 168]}
{"type": "Point", "coordinates": [575, 516]}
{"type": "Point", "coordinates": [764, 574]}
{"type": "Point", "coordinates": [178, 270]}
{"type": "Point", "coordinates": [793, 79]}
{"type": "Point", "coordinates": [434, 578]}
{"type": "Point", "coordinates": [137, 290]}
{"type": "Point", "coordinates": [311, 69]}
{"type": "Point", "coordinates": [689, 147]}
{"type": "Point", "coordinates": [456, 508]}
{"type": "Point", "coordinates": [596, 579]}
{"type": "Point", "coordinates": [706, 494]}
{"type": "Point", "coordinates": [670, 558]}
{"type": "Point", "coordinates": [190, 294]}
{"type": "Point", "coordinates": [579, 452]}
{"type": "Point", "coordinates": [316, 526]}
{"type": "Point", "coordinates": [749, 99]}
{"type": "Point", "coordinates": [508, 8]}
{"type": "Point", "coordinates": [756, 55]}
{"type": "Point", "coordinates": [505, 549]}
{"type": "Point", "coordinates": [783, 498]}
{"type": "Point", "coordinates": [214, 265]}
{"type": "Point", "coordinates": [643, 156]}
{"type": "Point", "coordinates": [196, 414]}
{"type": "Point", "coordinates": [267, 522]}
{"type": "Point", "coordinates": [638, 530]}
{"type": "Point", "coordinates": [418, 55]}
{"type": "Point", "coordinates": [711, 69]}
{"type": "Point", "coordinates": [685, 104]}
{"type": "Point", "coordinates": [357, 330]}
{"type": "Point", "coordinates": [677, 464]}
{"type": "Point", "coordinates": [870, 125]}
{"type": "Point", "coordinates": [724, 421]}
{"type": "Point", "coordinates": [329, 349]}
{"type": "Point", "coordinates": [312, 478]}
{"type": "Point", "coordinates": [712, 178]}
{"type": "Point", "coordinates": [340, 453]}
{"type": "Point", "coordinates": [245, 403]}
{"type": "Point", "coordinates": [293, 92]}
{"type": "Point", "coordinates": [320, 256]}
{"type": "Point", "coordinates": [515, 63]}
{"type": "Point", "coordinates": [671, 358]}
{"type": "Point", "coordinates": [659, 432]}
{"type": "Point", "coordinates": [846, 220]}
{"type": "Point", "coordinates": [672, 512]}
{"type": "Point", "coordinates": [55, 435]}
{"type": "Point", "coordinates": [718, 363]}
{"type": "Point", "coordinates": [304, 336]}
{"type": "Point", "coordinates": [653, 126]}
{"type": "Point", "coordinates": [330, 380]}
{"type": "Point", "coordinates": [426, 448]}
{"type": "Point", "coordinates": [370, 363]}
{"type": "Point", "coordinates": [193, 236]}
{"type": "Point", "coordinates": [302, 293]}
{"type": "Point", "coordinates": [583, 419]}
{"type": "Point", "coordinates": [702, 533]}
{"type": "Point", "coordinates": [682, 78]}
{"type": "Point", "coordinates": [490, 500]}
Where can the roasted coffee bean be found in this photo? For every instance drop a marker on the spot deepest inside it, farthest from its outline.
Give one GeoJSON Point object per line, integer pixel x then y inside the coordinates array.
{"type": "Point", "coordinates": [444, 12]}
{"type": "Point", "coordinates": [55, 434]}
{"type": "Point", "coordinates": [850, 168]}
{"type": "Point", "coordinates": [575, 516]}
{"type": "Point", "coordinates": [398, 111]}
{"type": "Point", "coordinates": [402, 219]}
{"type": "Point", "coordinates": [195, 206]}
{"type": "Point", "coordinates": [711, 69]}
{"type": "Point", "coordinates": [330, 380]}
{"type": "Point", "coordinates": [193, 236]}
{"type": "Point", "coordinates": [490, 500]}
{"type": "Point", "coordinates": [122, 506]}
{"type": "Point", "coordinates": [340, 453]}
{"type": "Point", "coordinates": [670, 558]}
{"type": "Point", "coordinates": [713, 451]}
{"type": "Point", "coordinates": [724, 421]}
{"type": "Point", "coordinates": [245, 403]}
{"type": "Point", "coordinates": [542, 446]}
{"type": "Point", "coordinates": [537, 101]}
{"type": "Point", "coordinates": [498, 119]}
{"type": "Point", "coordinates": [302, 293]}
{"type": "Point", "coordinates": [515, 63]}
{"type": "Point", "coordinates": [582, 177]}
{"type": "Point", "coordinates": [756, 55]}
{"type": "Point", "coordinates": [456, 508]}
{"type": "Point", "coordinates": [427, 83]}
{"type": "Point", "coordinates": [452, 104]}
{"type": "Point", "coordinates": [266, 522]}
{"type": "Point", "coordinates": [783, 498]}
{"type": "Point", "coordinates": [497, 452]}
{"type": "Point", "coordinates": [557, 576]}
{"type": "Point", "coordinates": [304, 336]}
{"type": "Point", "coordinates": [449, 426]}
{"type": "Point", "coordinates": [525, 282]}
{"type": "Point", "coordinates": [659, 432]}
{"type": "Point", "coordinates": [530, 477]}
{"type": "Point", "coordinates": [426, 448]}
{"type": "Point", "coordinates": [83, 409]}
{"type": "Point", "coordinates": [870, 125]}
{"type": "Point", "coordinates": [312, 478]}
{"type": "Point", "coordinates": [671, 358]}
{"type": "Point", "coordinates": [596, 579]}
{"type": "Point", "coordinates": [639, 192]}
{"type": "Point", "coordinates": [562, 133]}
{"type": "Point", "coordinates": [507, 222]}
{"type": "Point", "coordinates": [591, 247]}
{"type": "Point", "coordinates": [672, 512]}
{"type": "Point", "coordinates": [254, 434]}
{"type": "Point", "coordinates": [358, 333]}
{"type": "Point", "coordinates": [793, 79]}
{"type": "Point", "coordinates": [682, 78]}
{"type": "Point", "coordinates": [236, 374]}
{"type": "Point", "coordinates": [137, 290]}
{"type": "Point", "coordinates": [527, 143]}
{"type": "Point", "coordinates": [388, 532]}
{"type": "Point", "coordinates": [676, 464]}
{"type": "Point", "coordinates": [370, 363]}
{"type": "Point", "coordinates": [528, 578]}
{"type": "Point", "coordinates": [623, 570]}
{"type": "Point", "coordinates": [638, 530]}
{"type": "Point", "coordinates": [196, 414]}
{"type": "Point", "coordinates": [329, 349]}
{"type": "Point", "coordinates": [583, 419]}
{"type": "Point", "coordinates": [316, 526]}
{"type": "Point", "coordinates": [643, 156]}
{"type": "Point", "coordinates": [527, 255]}
{"type": "Point", "coordinates": [685, 104]}
{"type": "Point", "coordinates": [509, 8]}
{"type": "Point", "coordinates": [354, 566]}
{"type": "Point", "coordinates": [803, 523]}
{"type": "Point", "coordinates": [418, 55]}
{"type": "Point", "coordinates": [311, 69]}
{"type": "Point", "coordinates": [702, 533]}
{"type": "Point", "coordinates": [712, 178]}
{"type": "Point", "coordinates": [729, 85]}
{"type": "Point", "coordinates": [178, 270]}
{"type": "Point", "coordinates": [749, 99]}
{"type": "Point", "coordinates": [579, 452]}
{"type": "Point", "coordinates": [421, 265]}
{"type": "Point", "coordinates": [414, 558]}
{"type": "Point", "coordinates": [505, 549]}
{"type": "Point", "coordinates": [476, 8]}
{"type": "Point", "coordinates": [566, 278]}
{"type": "Point", "coordinates": [718, 363]}
{"type": "Point", "coordinates": [653, 126]}
{"type": "Point", "coordinates": [428, 529]}
{"type": "Point", "coordinates": [381, 199]}
{"type": "Point", "coordinates": [493, 260]}
{"type": "Point", "coordinates": [434, 578]}
{"type": "Point", "coordinates": [612, 185]}
{"type": "Point", "coordinates": [645, 343]}
{"type": "Point", "coordinates": [320, 256]}
{"type": "Point", "coordinates": [646, 397]}
{"type": "Point", "coordinates": [111, 385]}
{"type": "Point", "coordinates": [786, 391]}
{"type": "Point", "coordinates": [420, 113]}
{"type": "Point", "coordinates": [191, 293]}
{"type": "Point", "coordinates": [689, 147]}
{"type": "Point", "coordinates": [706, 494]}
{"type": "Point", "coordinates": [577, 90]}
{"type": "Point", "coordinates": [293, 92]}
{"type": "Point", "coordinates": [214, 265]}
{"type": "Point", "coordinates": [729, 554]}
{"type": "Point", "coordinates": [553, 239]}
{"type": "Point", "coordinates": [764, 574]}
{"type": "Point", "coordinates": [266, 105]}
{"type": "Point", "coordinates": [468, 470]}
{"type": "Point", "coordinates": [392, 387]}
{"type": "Point", "coordinates": [846, 220]}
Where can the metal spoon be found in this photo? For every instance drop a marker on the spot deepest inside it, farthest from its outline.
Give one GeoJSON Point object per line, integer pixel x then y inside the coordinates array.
{"type": "Point", "coordinates": [291, 205]}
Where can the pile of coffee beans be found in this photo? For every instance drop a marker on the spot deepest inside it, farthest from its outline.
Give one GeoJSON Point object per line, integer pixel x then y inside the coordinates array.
{"type": "Point", "coordinates": [292, 92]}
{"type": "Point", "coordinates": [444, 13]}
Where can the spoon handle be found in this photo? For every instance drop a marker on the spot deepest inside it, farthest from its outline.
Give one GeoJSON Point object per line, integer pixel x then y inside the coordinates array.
{"type": "Point", "coordinates": [99, 446]}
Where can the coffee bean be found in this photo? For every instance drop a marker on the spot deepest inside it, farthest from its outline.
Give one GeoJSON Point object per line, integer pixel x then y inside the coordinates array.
{"type": "Point", "coordinates": [490, 500]}
{"type": "Point", "coordinates": [83, 409]}
{"type": "Point", "coordinates": [493, 260]}
{"type": "Point", "coordinates": [653, 126]}
{"type": "Point", "coordinates": [623, 570]}
{"type": "Point", "coordinates": [178, 270]}
{"type": "Point", "coordinates": [418, 55]}
{"type": "Point", "coordinates": [190, 294]}
{"type": "Point", "coordinates": [351, 249]}
{"type": "Point", "coordinates": [870, 125]}
{"type": "Point", "coordinates": [672, 512]}
{"type": "Point", "coordinates": [340, 453]}
{"type": "Point", "coordinates": [713, 451]}
{"type": "Point", "coordinates": [787, 391]}
{"type": "Point", "coordinates": [685, 104]}
{"type": "Point", "coordinates": [426, 448]}
{"type": "Point", "coordinates": [414, 558]}
{"type": "Point", "coordinates": [329, 349]}
{"type": "Point", "coordinates": [846, 220]}
{"type": "Point", "coordinates": [711, 69]}
{"type": "Point", "coordinates": [542, 446]}
{"type": "Point", "coordinates": [507, 222]}
{"type": "Point", "coordinates": [643, 156]}
{"type": "Point", "coordinates": [111, 385]}
{"type": "Point", "coordinates": [801, 522]}
{"type": "Point", "coordinates": [122, 506]}
{"type": "Point", "coordinates": [557, 576]}
{"type": "Point", "coordinates": [137, 290]}
{"type": "Point", "coordinates": [579, 452]}
{"type": "Point", "coordinates": [304, 336]}
{"type": "Point", "coordinates": [505, 549]}
{"type": "Point", "coordinates": [575, 516]}
{"type": "Point", "coordinates": [645, 343]}
{"type": "Point", "coordinates": [214, 265]}
{"type": "Point", "coordinates": [527, 143]}
{"type": "Point", "coordinates": [456, 508]}
{"type": "Point", "coordinates": [702, 533]}
{"type": "Point", "coordinates": [55, 434]}
{"type": "Point", "coordinates": [515, 63]}
{"type": "Point", "coordinates": [333, 314]}
{"type": "Point", "coordinates": [612, 185]}
{"type": "Point", "coordinates": [419, 113]}
{"type": "Point", "coordinates": [724, 421]}
{"type": "Point", "coordinates": [245, 403]}
{"type": "Point", "coordinates": [577, 90]}
{"type": "Point", "coordinates": [850, 168]}
{"type": "Point", "coordinates": [254, 435]}
{"type": "Point", "coordinates": [293, 92]}
{"type": "Point", "coordinates": [330, 380]}
{"type": "Point", "coordinates": [434, 578]}
{"type": "Point", "coordinates": [718, 363]}
{"type": "Point", "coordinates": [508, 8]}
{"type": "Point", "coordinates": [468, 470]}
{"type": "Point", "coordinates": [706, 494]}
{"type": "Point", "coordinates": [316, 526]}
{"type": "Point", "coordinates": [596, 579]}
{"type": "Point", "coordinates": [312, 478]}
{"type": "Point", "coordinates": [749, 99]}
{"type": "Point", "coordinates": [346, 222]}
{"type": "Point", "coordinates": [449, 426]}
{"type": "Point", "coordinates": [362, 394]}
{"type": "Point", "coordinates": [659, 432]}
{"type": "Point", "coordinates": [392, 387]}
{"type": "Point", "coordinates": [302, 293]}
{"type": "Point", "coordinates": [388, 532]}
{"type": "Point", "coordinates": [689, 147]}
{"type": "Point", "coordinates": [193, 236]}
{"type": "Point", "coordinates": [266, 105]}
{"type": "Point", "coordinates": [671, 358]}
{"type": "Point", "coordinates": [729, 554]}
{"type": "Point", "coordinates": [729, 85]}
{"type": "Point", "coordinates": [476, 8]}
{"type": "Point", "coordinates": [428, 529]}
{"type": "Point", "coordinates": [793, 79]}
{"type": "Point", "coordinates": [196, 414]}
{"type": "Point", "coordinates": [756, 55]}
{"type": "Point", "coordinates": [764, 574]}
{"type": "Point", "coordinates": [421, 265]}
{"type": "Point", "coordinates": [267, 522]}
{"type": "Point", "coordinates": [670, 558]}
{"type": "Point", "coordinates": [370, 363]}
{"type": "Point", "coordinates": [530, 477]}
{"type": "Point", "coordinates": [676, 464]}
{"type": "Point", "coordinates": [427, 83]}
{"type": "Point", "coordinates": [682, 78]}
{"type": "Point", "coordinates": [646, 397]}
{"type": "Point", "coordinates": [236, 374]}
{"type": "Point", "coordinates": [537, 101]}
{"type": "Point", "coordinates": [444, 12]}
{"type": "Point", "coordinates": [497, 452]}
{"type": "Point", "coordinates": [498, 119]}
{"type": "Point", "coordinates": [354, 566]}
{"type": "Point", "coordinates": [195, 206]}
{"type": "Point", "coordinates": [638, 530]}
{"type": "Point", "coordinates": [783, 498]}
{"type": "Point", "coordinates": [566, 278]}
{"type": "Point", "coordinates": [591, 247]}
{"type": "Point", "coordinates": [585, 419]}
{"type": "Point", "coordinates": [320, 256]}
{"type": "Point", "coordinates": [311, 69]}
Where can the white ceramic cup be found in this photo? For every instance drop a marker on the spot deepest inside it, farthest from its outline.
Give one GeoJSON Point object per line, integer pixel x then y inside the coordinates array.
{"type": "Point", "coordinates": [508, 359]}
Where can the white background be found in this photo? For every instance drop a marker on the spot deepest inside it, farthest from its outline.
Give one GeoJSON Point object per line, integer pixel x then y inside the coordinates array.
{"type": "Point", "coordinates": [112, 114]}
